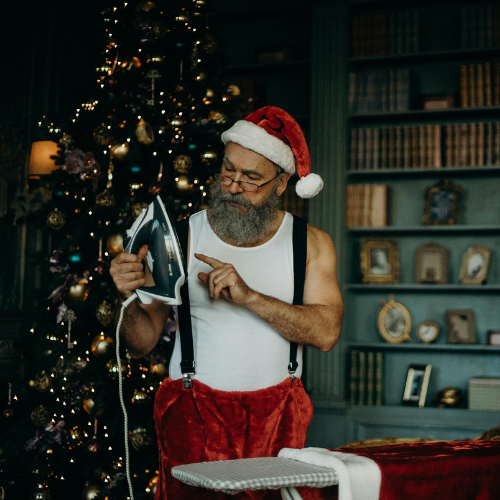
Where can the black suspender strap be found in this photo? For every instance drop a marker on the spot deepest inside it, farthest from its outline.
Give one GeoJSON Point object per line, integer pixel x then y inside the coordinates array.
{"type": "Point", "coordinates": [184, 312]}
{"type": "Point", "coordinates": [299, 244]}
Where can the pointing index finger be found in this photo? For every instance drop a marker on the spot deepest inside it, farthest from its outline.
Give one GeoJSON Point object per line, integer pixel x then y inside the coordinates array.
{"type": "Point", "coordinates": [214, 263]}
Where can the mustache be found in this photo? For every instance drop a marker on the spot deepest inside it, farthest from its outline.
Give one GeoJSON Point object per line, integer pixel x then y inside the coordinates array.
{"type": "Point", "coordinates": [237, 198]}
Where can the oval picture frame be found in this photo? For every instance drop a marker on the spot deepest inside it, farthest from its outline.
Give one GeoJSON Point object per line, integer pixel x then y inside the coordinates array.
{"type": "Point", "coordinates": [394, 321]}
{"type": "Point", "coordinates": [427, 331]}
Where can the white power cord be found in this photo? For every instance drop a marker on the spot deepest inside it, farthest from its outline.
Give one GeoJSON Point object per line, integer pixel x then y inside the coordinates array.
{"type": "Point", "coordinates": [120, 389]}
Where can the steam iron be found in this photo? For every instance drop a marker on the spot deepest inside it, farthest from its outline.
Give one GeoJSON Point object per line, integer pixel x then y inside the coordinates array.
{"type": "Point", "coordinates": [164, 258]}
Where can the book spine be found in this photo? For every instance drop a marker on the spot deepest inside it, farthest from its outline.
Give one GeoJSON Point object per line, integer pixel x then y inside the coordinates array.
{"type": "Point", "coordinates": [496, 84]}
{"type": "Point", "coordinates": [361, 148]}
{"type": "Point", "coordinates": [464, 87]}
{"type": "Point", "coordinates": [391, 140]}
{"type": "Point", "coordinates": [368, 148]}
{"type": "Point", "coordinates": [353, 378]}
{"type": "Point", "coordinates": [487, 84]}
{"type": "Point", "coordinates": [414, 146]}
{"type": "Point", "coordinates": [480, 144]}
{"type": "Point", "coordinates": [407, 147]}
{"type": "Point", "coordinates": [496, 143]}
{"type": "Point", "coordinates": [448, 151]}
{"type": "Point", "coordinates": [352, 93]}
{"type": "Point", "coordinates": [392, 90]}
{"type": "Point", "coordinates": [437, 156]}
{"type": "Point", "coordinates": [379, 205]}
{"type": "Point", "coordinates": [456, 144]}
{"type": "Point", "coordinates": [367, 205]}
{"type": "Point", "coordinates": [399, 148]}
{"type": "Point", "coordinates": [370, 377]}
{"type": "Point", "coordinates": [376, 148]}
{"type": "Point", "coordinates": [422, 148]}
{"type": "Point", "coordinates": [349, 208]}
{"type": "Point", "coordinates": [362, 378]}
{"type": "Point", "coordinates": [479, 85]}
{"type": "Point", "coordinates": [489, 144]}
{"type": "Point", "coordinates": [384, 160]}
{"type": "Point", "coordinates": [496, 26]}
{"type": "Point", "coordinates": [472, 86]}
{"type": "Point", "coordinates": [463, 145]}
{"type": "Point", "coordinates": [379, 378]}
{"type": "Point", "coordinates": [429, 140]}
{"type": "Point", "coordinates": [472, 135]}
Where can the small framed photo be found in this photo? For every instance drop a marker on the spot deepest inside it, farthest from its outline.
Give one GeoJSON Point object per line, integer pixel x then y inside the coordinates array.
{"type": "Point", "coordinates": [493, 337]}
{"type": "Point", "coordinates": [431, 264]}
{"type": "Point", "coordinates": [427, 331]}
{"type": "Point", "coordinates": [475, 265]}
{"type": "Point", "coordinates": [460, 324]}
{"type": "Point", "coordinates": [394, 321]}
{"type": "Point", "coordinates": [438, 102]}
{"type": "Point", "coordinates": [441, 204]}
{"type": "Point", "coordinates": [379, 261]}
{"type": "Point", "coordinates": [417, 383]}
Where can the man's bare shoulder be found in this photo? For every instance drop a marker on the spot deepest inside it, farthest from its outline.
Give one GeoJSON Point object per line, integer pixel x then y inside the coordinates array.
{"type": "Point", "coordinates": [319, 243]}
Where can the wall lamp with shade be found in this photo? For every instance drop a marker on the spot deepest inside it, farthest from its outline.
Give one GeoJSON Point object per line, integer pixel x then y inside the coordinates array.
{"type": "Point", "coordinates": [41, 162]}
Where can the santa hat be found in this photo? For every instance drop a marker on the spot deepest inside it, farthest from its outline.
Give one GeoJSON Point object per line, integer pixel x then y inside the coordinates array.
{"type": "Point", "coordinates": [274, 134]}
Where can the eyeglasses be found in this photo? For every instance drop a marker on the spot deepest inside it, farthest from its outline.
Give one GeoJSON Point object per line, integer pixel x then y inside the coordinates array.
{"type": "Point", "coordinates": [246, 186]}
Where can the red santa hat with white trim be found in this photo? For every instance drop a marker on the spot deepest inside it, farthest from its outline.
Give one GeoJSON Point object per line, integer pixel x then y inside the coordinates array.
{"type": "Point", "coordinates": [274, 134]}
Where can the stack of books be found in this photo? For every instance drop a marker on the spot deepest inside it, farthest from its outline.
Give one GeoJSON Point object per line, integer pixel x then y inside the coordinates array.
{"type": "Point", "coordinates": [387, 34]}
{"type": "Point", "coordinates": [471, 144]}
{"type": "Point", "coordinates": [367, 205]}
{"type": "Point", "coordinates": [381, 91]}
{"type": "Point", "coordinates": [375, 148]}
{"type": "Point", "coordinates": [366, 377]}
{"type": "Point", "coordinates": [480, 26]}
{"type": "Point", "coordinates": [480, 85]}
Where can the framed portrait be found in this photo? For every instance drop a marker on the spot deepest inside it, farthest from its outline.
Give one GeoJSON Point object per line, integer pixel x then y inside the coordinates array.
{"type": "Point", "coordinates": [427, 331]}
{"type": "Point", "coordinates": [394, 321]}
{"type": "Point", "coordinates": [417, 383]}
{"type": "Point", "coordinates": [431, 264]}
{"type": "Point", "coordinates": [493, 337]}
{"type": "Point", "coordinates": [460, 326]}
{"type": "Point", "coordinates": [441, 203]}
{"type": "Point", "coordinates": [379, 261]}
{"type": "Point", "coordinates": [475, 265]}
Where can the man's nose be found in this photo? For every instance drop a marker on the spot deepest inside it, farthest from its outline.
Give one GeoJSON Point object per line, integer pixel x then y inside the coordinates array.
{"type": "Point", "coordinates": [235, 188]}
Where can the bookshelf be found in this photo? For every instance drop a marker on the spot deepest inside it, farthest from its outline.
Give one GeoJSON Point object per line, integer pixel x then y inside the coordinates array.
{"type": "Point", "coordinates": [434, 61]}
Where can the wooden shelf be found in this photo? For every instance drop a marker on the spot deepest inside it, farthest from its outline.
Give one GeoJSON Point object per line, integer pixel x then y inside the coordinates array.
{"type": "Point", "coordinates": [411, 230]}
{"type": "Point", "coordinates": [418, 288]}
{"type": "Point", "coordinates": [420, 346]}
{"type": "Point", "coordinates": [427, 114]}
{"type": "Point", "coordinates": [427, 172]}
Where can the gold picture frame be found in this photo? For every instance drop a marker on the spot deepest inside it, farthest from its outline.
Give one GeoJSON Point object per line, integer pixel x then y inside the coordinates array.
{"type": "Point", "coordinates": [460, 325]}
{"type": "Point", "coordinates": [427, 331]}
{"type": "Point", "coordinates": [431, 264]}
{"type": "Point", "coordinates": [475, 265]}
{"type": "Point", "coordinates": [417, 383]}
{"type": "Point", "coordinates": [379, 260]}
{"type": "Point", "coordinates": [441, 204]}
{"type": "Point", "coordinates": [394, 321]}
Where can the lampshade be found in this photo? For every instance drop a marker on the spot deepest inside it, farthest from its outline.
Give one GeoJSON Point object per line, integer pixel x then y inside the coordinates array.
{"type": "Point", "coordinates": [41, 162]}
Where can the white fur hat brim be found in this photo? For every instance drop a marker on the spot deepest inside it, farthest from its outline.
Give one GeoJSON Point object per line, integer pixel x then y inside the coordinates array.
{"type": "Point", "coordinates": [255, 138]}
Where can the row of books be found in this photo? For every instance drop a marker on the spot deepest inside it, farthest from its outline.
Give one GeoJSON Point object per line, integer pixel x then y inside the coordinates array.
{"type": "Point", "coordinates": [367, 205]}
{"type": "Point", "coordinates": [393, 33]}
{"type": "Point", "coordinates": [417, 146]}
{"type": "Point", "coordinates": [381, 91]}
{"type": "Point", "coordinates": [366, 376]}
{"type": "Point", "coordinates": [480, 26]}
{"type": "Point", "coordinates": [480, 85]}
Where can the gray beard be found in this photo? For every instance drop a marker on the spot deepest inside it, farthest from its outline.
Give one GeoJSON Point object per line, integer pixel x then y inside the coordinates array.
{"type": "Point", "coordinates": [241, 228]}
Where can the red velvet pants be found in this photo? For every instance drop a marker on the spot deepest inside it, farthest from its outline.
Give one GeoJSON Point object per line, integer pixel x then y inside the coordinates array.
{"type": "Point", "coordinates": [203, 424]}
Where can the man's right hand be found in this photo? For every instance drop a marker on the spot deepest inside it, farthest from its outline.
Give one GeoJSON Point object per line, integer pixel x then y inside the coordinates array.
{"type": "Point", "coordinates": [127, 272]}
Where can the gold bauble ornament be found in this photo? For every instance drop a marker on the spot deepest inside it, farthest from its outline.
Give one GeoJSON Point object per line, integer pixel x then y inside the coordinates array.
{"type": "Point", "coordinates": [144, 132]}
{"type": "Point", "coordinates": [102, 136]}
{"type": "Point", "coordinates": [90, 492]}
{"type": "Point", "coordinates": [40, 416]}
{"type": "Point", "coordinates": [159, 369]}
{"type": "Point", "coordinates": [114, 244]}
{"type": "Point", "coordinates": [217, 117]}
{"type": "Point", "coordinates": [209, 157]}
{"type": "Point", "coordinates": [105, 313]}
{"type": "Point", "coordinates": [140, 397]}
{"type": "Point", "coordinates": [42, 382]}
{"type": "Point", "coordinates": [101, 345]}
{"type": "Point", "coordinates": [76, 435]}
{"type": "Point", "coordinates": [105, 199]}
{"type": "Point", "coordinates": [145, 6]}
{"type": "Point", "coordinates": [112, 367]}
{"type": "Point", "coordinates": [89, 404]}
{"type": "Point", "coordinates": [120, 150]}
{"type": "Point", "coordinates": [139, 438]}
{"type": "Point", "coordinates": [151, 488]}
{"type": "Point", "coordinates": [41, 492]}
{"type": "Point", "coordinates": [137, 209]}
{"type": "Point", "coordinates": [133, 62]}
{"type": "Point", "coordinates": [182, 164]}
{"type": "Point", "coordinates": [79, 291]}
{"type": "Point", "coordinates": [56, 220]}
{"type": "Point", "coordinates": [183, 184]}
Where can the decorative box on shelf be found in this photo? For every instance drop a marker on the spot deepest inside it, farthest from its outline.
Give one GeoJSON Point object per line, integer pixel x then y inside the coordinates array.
{"type": "Point", "coordinates": [484, 393]}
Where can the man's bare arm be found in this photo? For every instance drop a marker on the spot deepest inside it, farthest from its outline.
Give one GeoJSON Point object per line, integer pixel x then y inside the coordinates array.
{"type": "Point", "coordinates": [317, 322]}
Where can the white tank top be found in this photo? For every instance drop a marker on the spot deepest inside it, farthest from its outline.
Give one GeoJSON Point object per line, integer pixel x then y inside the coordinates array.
{"type": "Point", "coordinates": [234, 349]}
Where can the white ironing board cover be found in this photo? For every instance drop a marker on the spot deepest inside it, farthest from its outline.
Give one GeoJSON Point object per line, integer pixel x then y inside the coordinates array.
{"type": "Point", "coordinates": [245, 474]}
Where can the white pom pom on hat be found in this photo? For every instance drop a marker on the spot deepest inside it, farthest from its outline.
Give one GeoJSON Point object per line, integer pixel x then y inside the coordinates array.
{"type": "Point", "coordinates": [273, 133]}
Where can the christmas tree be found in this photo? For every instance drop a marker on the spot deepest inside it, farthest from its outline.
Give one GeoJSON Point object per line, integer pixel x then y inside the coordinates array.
{"type": "Point", "coordinates": [152, 128]}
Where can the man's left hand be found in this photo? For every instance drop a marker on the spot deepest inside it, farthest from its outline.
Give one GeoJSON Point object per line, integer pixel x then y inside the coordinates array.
{"type": "Point", "coordinates": [224, 280]}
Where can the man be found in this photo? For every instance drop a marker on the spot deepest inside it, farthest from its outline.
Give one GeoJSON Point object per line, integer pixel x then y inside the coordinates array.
{"type": "Point", "coordinates": [243, 402]}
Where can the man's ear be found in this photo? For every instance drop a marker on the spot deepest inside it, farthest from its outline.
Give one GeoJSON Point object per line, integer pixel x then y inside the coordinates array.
{"type": "Point", "coordinates": [283, 182]}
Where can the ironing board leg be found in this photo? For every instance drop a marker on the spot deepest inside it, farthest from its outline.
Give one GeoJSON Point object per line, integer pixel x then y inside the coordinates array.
{"type": "Point", "coordinates": [290, 494]}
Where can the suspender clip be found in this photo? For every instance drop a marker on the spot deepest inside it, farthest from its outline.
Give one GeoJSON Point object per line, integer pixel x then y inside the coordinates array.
{"type": "Point", "coordinates": [187, 370]}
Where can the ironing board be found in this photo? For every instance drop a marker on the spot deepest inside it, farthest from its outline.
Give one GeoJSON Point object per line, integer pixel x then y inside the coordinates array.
{"type": "Point", "coordinates": [246, 474]}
